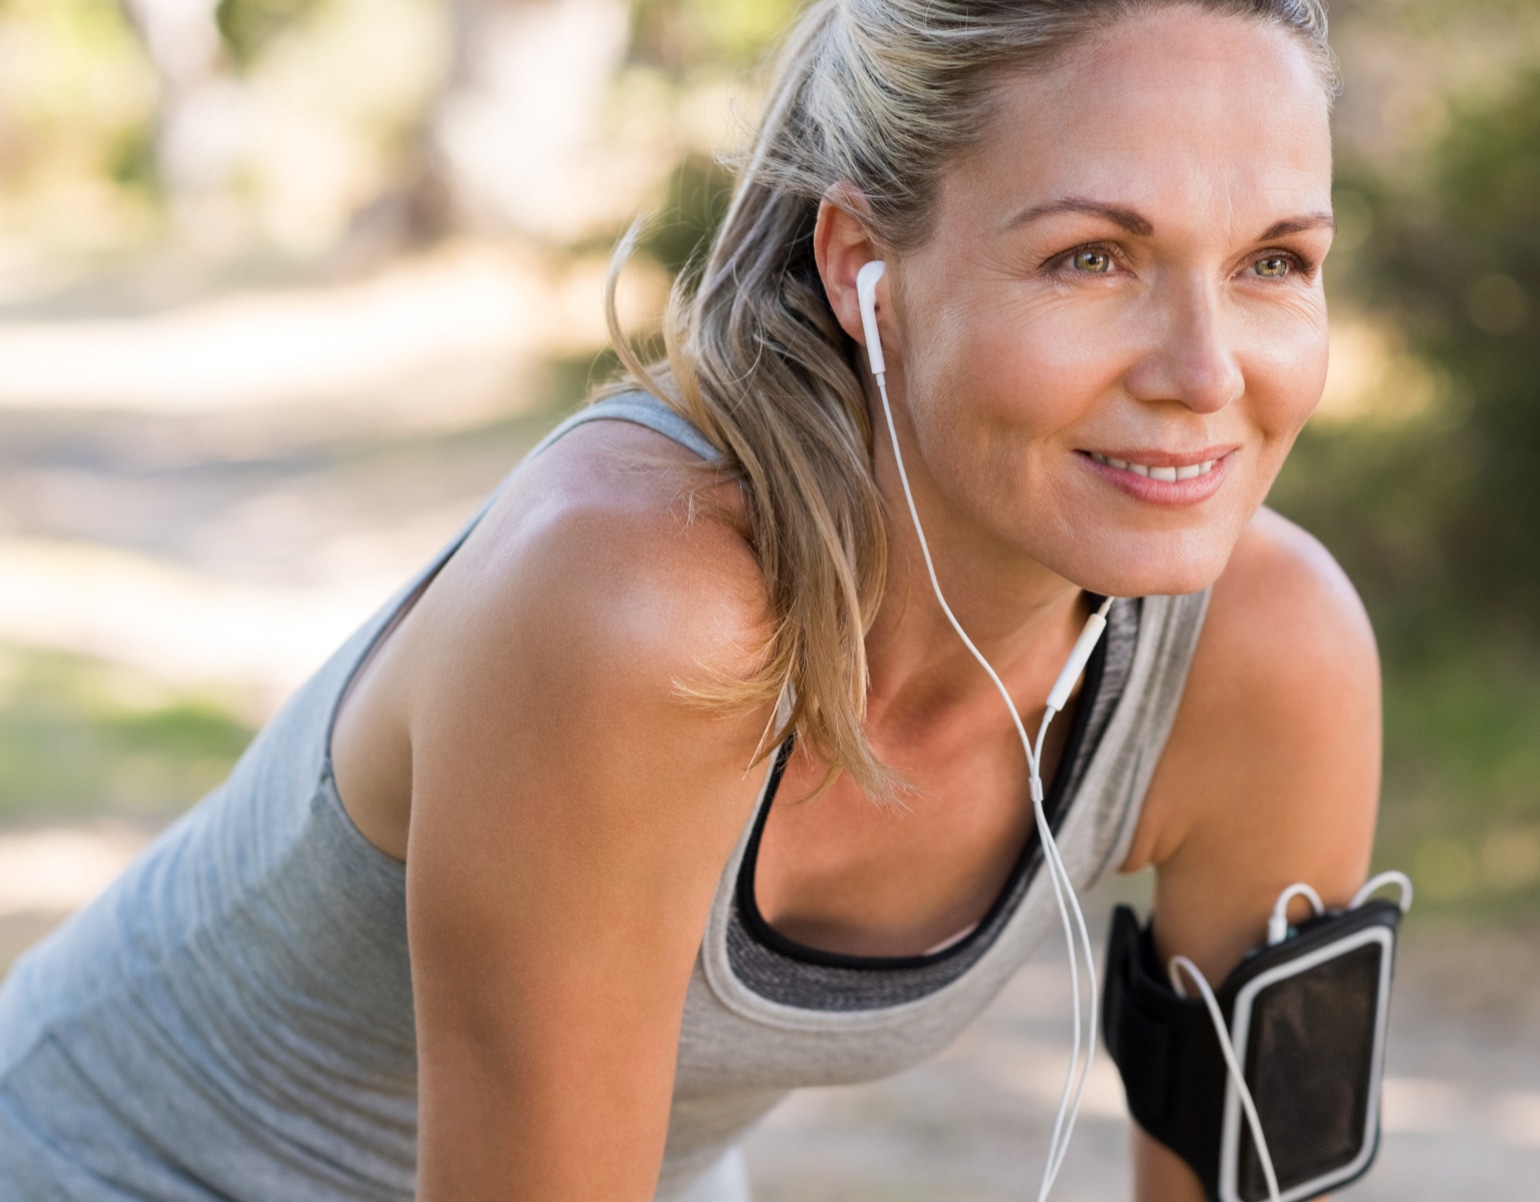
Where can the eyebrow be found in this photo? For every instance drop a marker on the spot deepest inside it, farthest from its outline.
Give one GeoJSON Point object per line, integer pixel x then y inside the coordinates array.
{"type": "Point", "coordinates": [1295, 225]}
{"type": "Point", "coordinates": [1128, 219]}
{"type": "Point", "coordinates": [1139, 225]}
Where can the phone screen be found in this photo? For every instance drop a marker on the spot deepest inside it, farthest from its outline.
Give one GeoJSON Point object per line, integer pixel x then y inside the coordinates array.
{"type": "Point", "coordinates": [1309, 1061]}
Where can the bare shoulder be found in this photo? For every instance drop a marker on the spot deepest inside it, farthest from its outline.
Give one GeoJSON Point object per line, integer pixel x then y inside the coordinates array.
{"type": "Point", "coordinates": [613, 545]}
{"type": "Point", "coordinates": [610, 571]}
{"type": "Point", "coordinates": [555, 656]}
{"type": "Point", "coordinates": [1271, 772]}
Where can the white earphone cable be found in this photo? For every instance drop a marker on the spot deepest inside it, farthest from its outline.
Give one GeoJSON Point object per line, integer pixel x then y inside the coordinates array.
{"type": "Point", "coordinates": [1051, 848]}
{"type": "Point", "coordinates": [1058, 875]}
{"type": "Point", "coordinates": [1375, 883]}
{"type": "Point", "coordinates": [1278, 921]}
{"type": "Point", "coordinates": [1181, 964]}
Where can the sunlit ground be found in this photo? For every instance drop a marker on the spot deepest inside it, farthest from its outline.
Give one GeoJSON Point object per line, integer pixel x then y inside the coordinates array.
{"type": "Point", "coordinates": [220, 492]}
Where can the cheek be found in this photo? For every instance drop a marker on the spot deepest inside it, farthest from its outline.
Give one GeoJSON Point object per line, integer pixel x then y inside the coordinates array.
{"type": "Point", "coordinates": [1034, 366]}
{"type": "Point", "coordinates": [1284, 362]}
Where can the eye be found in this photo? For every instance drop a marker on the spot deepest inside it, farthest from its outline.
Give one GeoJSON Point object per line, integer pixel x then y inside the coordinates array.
{"type": "Point", "coordinates": [1094, 262]}
{"type": "Point", "coordinates": [1273, 267]}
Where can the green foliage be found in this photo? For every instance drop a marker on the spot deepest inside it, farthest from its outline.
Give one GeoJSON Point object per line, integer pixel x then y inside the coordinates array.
{"type": "Point", "coordinates": [76, 97]}
{"type": "Point", "coordinates": [247, 26]}
{"type": "Point", "coordinates": [1455, 259]}
{"type": "Point", "coordinates": [1461, 811]}
{"type": "Point", "coordinates": [131, 159]}
{"type": "Point", "coordinates": [1377, 493]}
{"type": "Point", "coordinates": [698, 193]}
{"type": "Point", "coordinates": [683, 36]}
{"type": "Point", "coordinates": [78, 736]}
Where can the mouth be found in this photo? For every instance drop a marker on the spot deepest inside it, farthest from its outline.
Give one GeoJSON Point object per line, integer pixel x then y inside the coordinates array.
{"type": "Point", "coordinates": [1168, 472]}
{"type": "Point", "coordinates": [1163, 478]}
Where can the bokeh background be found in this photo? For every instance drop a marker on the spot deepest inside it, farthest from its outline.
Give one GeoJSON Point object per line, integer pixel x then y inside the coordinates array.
{"type": "Point", "coordinates": [286, 286]}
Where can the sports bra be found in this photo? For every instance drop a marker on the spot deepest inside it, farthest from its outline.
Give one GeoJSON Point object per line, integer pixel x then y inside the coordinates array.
{"type": "Point", "coordinates": [782, 969]}
{"type": "Point", "coordinates": [232, 1021]}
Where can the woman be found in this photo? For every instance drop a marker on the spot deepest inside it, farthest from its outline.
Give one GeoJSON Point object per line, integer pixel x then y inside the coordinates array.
{"type": "Point", "coordinates": [499, 906]}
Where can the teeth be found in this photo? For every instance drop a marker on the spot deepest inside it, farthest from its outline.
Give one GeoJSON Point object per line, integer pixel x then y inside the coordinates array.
{"type": "Point", "coordinates": [1188, 471]}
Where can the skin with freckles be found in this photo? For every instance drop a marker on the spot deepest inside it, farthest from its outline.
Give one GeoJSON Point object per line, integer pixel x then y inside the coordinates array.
{"type": "Point", "coordinates": [1121, 285]}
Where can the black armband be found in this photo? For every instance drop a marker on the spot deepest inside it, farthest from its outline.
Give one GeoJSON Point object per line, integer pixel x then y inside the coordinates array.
{"type": "Point", "coordinates": [1307, 1017]}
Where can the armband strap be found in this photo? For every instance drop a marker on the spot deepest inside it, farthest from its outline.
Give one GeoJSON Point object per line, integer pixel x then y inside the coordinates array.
{"type": "Point", "coordinates": [1307, 1017]}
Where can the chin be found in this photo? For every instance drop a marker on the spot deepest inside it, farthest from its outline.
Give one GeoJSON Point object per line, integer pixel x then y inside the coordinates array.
{"type": "Point", "coordinates": [1146, 566]}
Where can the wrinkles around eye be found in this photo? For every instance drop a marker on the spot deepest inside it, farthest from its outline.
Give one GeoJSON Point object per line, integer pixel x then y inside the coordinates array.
{"type": "Point", "coordinates": [1064, 265]}
{"type": "Point", "coordinates": [1295, 266]}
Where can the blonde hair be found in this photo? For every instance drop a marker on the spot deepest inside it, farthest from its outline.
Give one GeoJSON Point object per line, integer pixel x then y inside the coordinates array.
{"type": "Point", "coordinates": [877, 96]}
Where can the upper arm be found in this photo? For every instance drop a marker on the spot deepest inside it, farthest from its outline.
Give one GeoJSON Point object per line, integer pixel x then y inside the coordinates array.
{"type": "Point", "coordinates": [1271, 772]}
{"type": "Point", "coordinates": [1270, 775]}
{"type": "Point", "coordinates": [571, 813]}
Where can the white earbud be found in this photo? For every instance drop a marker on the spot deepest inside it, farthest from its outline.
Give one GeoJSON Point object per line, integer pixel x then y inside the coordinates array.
{"type": "Point", "coordinates": [1058, 875]}
{"type": "Point", "coordinates": [866, 293]}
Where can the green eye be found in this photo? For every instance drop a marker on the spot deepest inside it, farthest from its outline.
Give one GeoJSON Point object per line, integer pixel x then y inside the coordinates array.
{"type": "Point", "coordinates": [1274, 267]}
{"type": "Point", "coordinates": [1097, 262]}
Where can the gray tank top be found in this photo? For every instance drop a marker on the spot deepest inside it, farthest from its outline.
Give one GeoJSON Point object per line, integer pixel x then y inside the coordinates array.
{"type": "Point", "coordinates": [232, 1020]}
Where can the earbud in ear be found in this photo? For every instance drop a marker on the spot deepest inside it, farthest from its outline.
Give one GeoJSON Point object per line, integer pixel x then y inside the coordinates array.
{"type": "Point", "coordinates": [866, 293]}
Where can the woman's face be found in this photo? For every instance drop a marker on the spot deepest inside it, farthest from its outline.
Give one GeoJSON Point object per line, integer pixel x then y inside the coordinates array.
{"type": "Point", "coordinates": [1116, 327]}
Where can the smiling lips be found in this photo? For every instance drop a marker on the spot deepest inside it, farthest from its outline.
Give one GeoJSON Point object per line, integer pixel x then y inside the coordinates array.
{"type": "Point", "coordinates": [1166, 472]}
{"type": "Point", "coordinates": [1163, 478]}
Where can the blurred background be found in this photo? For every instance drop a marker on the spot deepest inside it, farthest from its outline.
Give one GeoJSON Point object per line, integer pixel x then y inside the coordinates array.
{"type": "Point", "coordinates": [286, 286]}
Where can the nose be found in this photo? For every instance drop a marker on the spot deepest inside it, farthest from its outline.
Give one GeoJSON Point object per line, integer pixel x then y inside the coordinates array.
{"type": "Point", "coordinates": [1190, 358]}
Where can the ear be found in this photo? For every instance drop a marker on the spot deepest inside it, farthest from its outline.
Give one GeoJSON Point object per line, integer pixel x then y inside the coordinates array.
{"type": "Point", "coordinates": [842, 245]}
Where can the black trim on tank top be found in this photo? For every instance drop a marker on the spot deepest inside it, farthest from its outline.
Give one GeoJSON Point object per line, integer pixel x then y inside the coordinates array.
{"type": "Point", "coordinates": [755, 924]}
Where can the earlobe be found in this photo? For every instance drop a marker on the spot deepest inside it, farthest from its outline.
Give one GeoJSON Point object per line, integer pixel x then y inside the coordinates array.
{"type": "Point", "coordinates": [842, 247]}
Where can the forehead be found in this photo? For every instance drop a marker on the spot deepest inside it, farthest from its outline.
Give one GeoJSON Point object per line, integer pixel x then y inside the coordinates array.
{"type": "Point", "coordinates": [1194, 116]}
